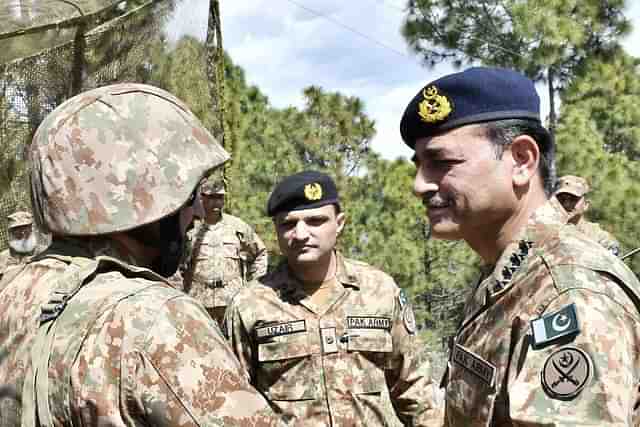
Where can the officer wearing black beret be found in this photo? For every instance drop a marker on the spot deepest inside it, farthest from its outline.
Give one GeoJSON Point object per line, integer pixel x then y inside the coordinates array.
{"type": "Point", "coordinates": [541, 338]}
{"type": "Point", "coordinates": [328, 340]}
{"type": "Point", "coordinates": [304, 190]}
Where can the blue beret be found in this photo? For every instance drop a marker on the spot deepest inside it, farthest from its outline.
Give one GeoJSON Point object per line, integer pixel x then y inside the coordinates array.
{"type": "Point", "coordinates": [303, 190]}
{"type": "Point", "coordinates": [476, 95]}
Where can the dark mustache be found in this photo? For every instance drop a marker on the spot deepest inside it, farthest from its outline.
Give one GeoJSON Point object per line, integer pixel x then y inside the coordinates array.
{"type": "Point", "coordinates": [433, 198]}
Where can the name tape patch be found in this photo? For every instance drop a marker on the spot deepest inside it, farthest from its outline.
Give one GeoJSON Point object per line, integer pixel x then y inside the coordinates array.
{"type": "Point", "coordinates": [366, 322]}
{"type": "Point", "coordinates": [475, 364]}
{"type": "Point", "coordinates": [279, 329]}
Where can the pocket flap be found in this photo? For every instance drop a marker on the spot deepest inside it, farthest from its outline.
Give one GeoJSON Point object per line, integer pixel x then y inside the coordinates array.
{"type": "Point", "coordinates": [370, 340]}
{"type": "Point", "coordinates": [284, 347]}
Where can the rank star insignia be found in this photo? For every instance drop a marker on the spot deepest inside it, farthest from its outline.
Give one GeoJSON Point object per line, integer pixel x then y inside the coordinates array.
{"type": "Point", "coordinates": [566, 373]}
{"type": "Point", "coordinates": [434, 107]}
{"type": "Point", "coordinates": [313, 191]}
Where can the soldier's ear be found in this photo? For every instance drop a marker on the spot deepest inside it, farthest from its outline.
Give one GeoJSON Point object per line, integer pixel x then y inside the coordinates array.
{"type": "Point", "coordinates": [340, 219]}
{"type": "Point", "coordinates": [525, 155]}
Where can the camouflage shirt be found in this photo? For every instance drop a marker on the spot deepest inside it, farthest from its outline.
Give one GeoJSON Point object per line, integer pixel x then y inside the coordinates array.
{"type": "Point", "coordinates": [350, 363]}
{"type": "Point", "coordinates": [597, 233]}
{"type": "Point", "coordinates": [551, 337]}
{"type": "Point", "coordinates": [223, 258]}
{"type": "Point", "coordinates": [9, 258]}
{"type": "Point", "coordinates": [127, 350]}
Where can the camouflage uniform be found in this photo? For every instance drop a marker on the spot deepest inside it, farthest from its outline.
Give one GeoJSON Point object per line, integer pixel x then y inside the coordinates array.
{"type": "Point", "coordinates": [87, 336]}
{"type": "Point", "coordinates": [578, 187]}
{"type": "Point", "coordinates": [600, 235]}
{"type": "Point", "coordinates": [506, 370]}
{"type": "Point", "coordinates": [226, 255]}
{"type": "Point", "coordinates": [9, 257]}
{"type": "Point", "coordinates": [351, 363]}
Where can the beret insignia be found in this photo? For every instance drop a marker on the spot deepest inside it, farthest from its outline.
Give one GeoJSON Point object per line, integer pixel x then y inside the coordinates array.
{"type": "Point", "coordinates": [434, 107]}
{"type": "Point", "coordinates": [313, 191]}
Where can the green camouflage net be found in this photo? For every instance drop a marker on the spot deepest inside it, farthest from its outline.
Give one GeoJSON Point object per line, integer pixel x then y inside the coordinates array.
{"type": "Point", "coordinates": [51, 50]}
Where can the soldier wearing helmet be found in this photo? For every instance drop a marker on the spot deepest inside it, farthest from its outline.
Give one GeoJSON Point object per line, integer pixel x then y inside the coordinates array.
{"type": "Point", "coordinates": [21, 238]}
{"type": "Point", "coordinates": [571, 192]}
{"type": "Point", "coordinates": [225, 254]}
{"type": "Point", "coordinates": [90, 330]}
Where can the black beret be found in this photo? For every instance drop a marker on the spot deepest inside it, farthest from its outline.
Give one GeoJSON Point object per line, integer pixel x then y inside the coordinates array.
{"type": "Point", "coordinates": [303, 190]}
{"type": "Point", "coordinates": [476, 95]}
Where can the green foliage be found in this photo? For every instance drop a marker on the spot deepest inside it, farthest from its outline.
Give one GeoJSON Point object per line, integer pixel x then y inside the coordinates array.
{"type": "Point", "coordinates": [528, 35]}
{"type": "Point", "coordinates": [331, 133]}
{"type": "Point", "coordinates": [598, 138]}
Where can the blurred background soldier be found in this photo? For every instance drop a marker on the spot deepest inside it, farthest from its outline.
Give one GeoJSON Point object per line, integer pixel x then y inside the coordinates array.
{"type": "Point", "coordinates": [226, 253]}
{"type": "Point", "coordinates": [22, 240]}
{"type": "Point", "coordinates": [571, 193]}
{"type": "Point", "coordinates": [328, 340]}
{"type": "Point", "coordinates": [91, 332]}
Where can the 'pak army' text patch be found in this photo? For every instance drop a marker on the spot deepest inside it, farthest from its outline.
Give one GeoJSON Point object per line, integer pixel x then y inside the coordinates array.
{"type": "Point", "coordinates": [475, 364]}
{"type": "Point", "coordinates": [368, 322]}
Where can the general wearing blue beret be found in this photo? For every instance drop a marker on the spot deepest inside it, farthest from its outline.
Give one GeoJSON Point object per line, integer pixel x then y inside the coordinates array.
{"type": "Point", "coordinates": [476, 95]}
{"type": "Point", "coordinates": [303, 190]}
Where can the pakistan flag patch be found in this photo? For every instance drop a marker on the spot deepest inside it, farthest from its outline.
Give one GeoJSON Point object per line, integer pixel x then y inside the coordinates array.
{"type": "Point", "coordinates": [553, 326]}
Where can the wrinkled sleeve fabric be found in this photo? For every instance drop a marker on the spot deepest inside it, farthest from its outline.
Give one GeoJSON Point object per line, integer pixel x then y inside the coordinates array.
{"type": "Point", "coordinates": [258, 256]}
{"type": "Point", "coordinates": [239, 337]}
{"type": "Point", "coordinates": [412, 390]}
{"type": "Point", "coordinates": [184, 373]}
{"type": "Point", "coordinates": [609, 335]}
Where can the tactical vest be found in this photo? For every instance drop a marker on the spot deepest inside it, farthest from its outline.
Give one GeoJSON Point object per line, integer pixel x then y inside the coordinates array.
{"type": "Point", "coordinates": [36, 410]}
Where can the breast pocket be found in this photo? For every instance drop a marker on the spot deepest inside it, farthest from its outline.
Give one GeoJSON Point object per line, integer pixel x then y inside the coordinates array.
{"type": "Point", "coordinates": [369, 351]}
{"type": "Point", "coordinates": [286, 370]}
{"type": "Point", "coordinates": [234, 263]}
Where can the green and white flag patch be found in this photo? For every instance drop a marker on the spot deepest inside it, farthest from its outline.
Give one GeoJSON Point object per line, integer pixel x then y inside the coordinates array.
{"type": "Point", "coordinates": [553, 326]}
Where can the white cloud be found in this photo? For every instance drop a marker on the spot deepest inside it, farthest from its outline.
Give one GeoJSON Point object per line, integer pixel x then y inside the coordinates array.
{"type": "Point", "coordinates": [352, 47]}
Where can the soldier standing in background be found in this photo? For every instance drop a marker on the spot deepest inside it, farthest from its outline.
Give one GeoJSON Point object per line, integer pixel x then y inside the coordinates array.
{"type": "Point", "coordinates": [571, 194]}
{"type": "Point", "coordinates": [328, 340]}
{"type": "Point", "coordinates": [91, 333]}
{"type": "Point", "coordinates": [550, 335]}
{"type": "Point", "coordinates": [21, 239]}
{"type": "Point", "coordinates": [225, 254]}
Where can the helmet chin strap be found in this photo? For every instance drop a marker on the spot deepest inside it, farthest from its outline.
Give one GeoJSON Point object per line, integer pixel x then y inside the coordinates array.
{"type": "Point", "coordinates": [171, 245]}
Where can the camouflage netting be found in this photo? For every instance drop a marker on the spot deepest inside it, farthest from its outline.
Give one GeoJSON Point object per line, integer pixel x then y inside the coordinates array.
{"type": "Point", "coordinates": [51, 50]}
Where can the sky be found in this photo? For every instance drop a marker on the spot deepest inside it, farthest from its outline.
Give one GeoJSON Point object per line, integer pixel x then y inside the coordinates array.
{"type": "Point", "coordinates": [352, 47]}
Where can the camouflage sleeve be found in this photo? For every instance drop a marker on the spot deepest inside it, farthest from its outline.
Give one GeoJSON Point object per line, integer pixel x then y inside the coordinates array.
{"type": "Point", "coordinates": [259, 256]}
{"type": "Point", "coordinates": [239, 337]}
{"type": "Point", "coordinates": [413, 391]}
{"type": "Point", "coordinates": [186, 374]}
{"type": "Point", "coordinates": [590, 379]}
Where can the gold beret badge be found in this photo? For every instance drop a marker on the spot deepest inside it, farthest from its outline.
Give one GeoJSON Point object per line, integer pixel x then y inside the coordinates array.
{"type": "Point", "coordinates": [313, 191]}
{"type": "Point", "coordinates": [434, 107]}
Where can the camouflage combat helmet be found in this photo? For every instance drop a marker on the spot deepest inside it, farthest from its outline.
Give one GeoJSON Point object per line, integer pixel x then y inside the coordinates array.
{"type": "Point", "coordinates": [116, 158]}
{"type": "Point", "coordinates": [571, 184]}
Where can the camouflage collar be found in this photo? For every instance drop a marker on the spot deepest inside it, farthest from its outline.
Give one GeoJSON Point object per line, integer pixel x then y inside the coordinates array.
{"type": "Point", "coordinates": [344, 274]}
{"type": "Point", "coordinates": [87, 247]}
{"type": "Point", "coordinates": [546, 218]}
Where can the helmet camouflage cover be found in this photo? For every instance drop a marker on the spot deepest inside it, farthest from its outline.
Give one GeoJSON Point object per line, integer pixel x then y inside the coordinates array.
{"type": "Point", "coordinates": [116, 158]}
